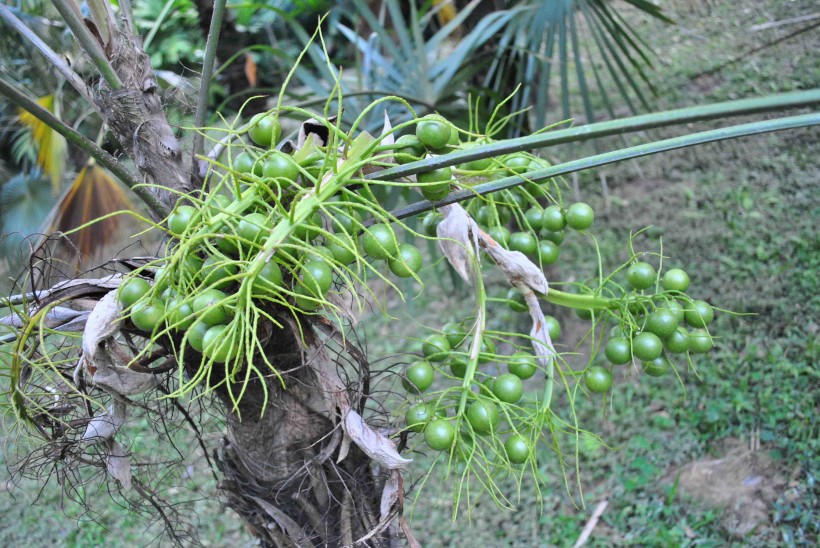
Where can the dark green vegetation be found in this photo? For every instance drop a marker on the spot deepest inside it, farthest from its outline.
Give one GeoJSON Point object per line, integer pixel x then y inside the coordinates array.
{"type": "Point", "coordinates": [721, 212]}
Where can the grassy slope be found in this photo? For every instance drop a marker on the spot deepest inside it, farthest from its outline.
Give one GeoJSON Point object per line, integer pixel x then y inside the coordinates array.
{"type": "Point", "coordinates": [741, 218]}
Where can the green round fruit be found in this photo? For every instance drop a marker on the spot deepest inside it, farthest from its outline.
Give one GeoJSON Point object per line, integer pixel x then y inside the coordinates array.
{"type": "Point", "coordinates": [661, 322]}
{"type": "Point", "coordinates": [418, 416]}
{"type": "Point", "coordinates": [407, 149]}
{"type": "Point", "coordinates": [265, 129]}
{"type": "Point", "coordinates": [379, 242]}
{"type": "Point", "coordinates": [196, 335]}
{"type": "Point", "coordinates": [418, 376]}
{"type": "Point", "coordinates": [553, 327]}
{"type": "Point", "coordinates": [486, 353]}
{"type": "Point", "coordinates": [435, 348]}
{"type": "Point", "coordinates": [517, 163]}
{"type": "Point", "coordinates": [553, 219]}
{"type": "Point", "coordinates": [217, 346]}
{"type": "Point", "coordinates": [440, 434]}
{"type": "Point", "coordinates": [482, 164]}
{"type": "Point", "coordinates": [280, 166]}
{"type": "Point", "coordinates": [675, 308]}
{"type": "Point", "coordinates": [458, 366]}
{"type": "Point", "coordinates": [210, 308]}
{"type": "Point", "coordinates": [246, 164]}
{"type": "Point", "coordinates": [677, 342]}
{"type": "Point", "coordinates": [435, 184]}
{"type": "Point", "coordinates": [700, 341]}
{"type": "Point", "coordinates": [454, 333]}
{"type": "Point", "coordinates": [226, 241]}
{"type": "Point", "coordinates": [598, 379]}
{"type": "Point", "coordinates": [148, 315]}
{"type": "Point", "coordinates": [699, 314]}
{"type": "Point", "coordinates": [180, 314]}
{"type": "Point", "coordinates": [579, 216]}
{"type": "Point", "coordinates": [548, 252]}
{"type": "Point", "coordinates": [675, 279]}
{"type": "Point", "coordinates": [344, 254]}
{"type": "Point", "coordinates": [407, 261]}
{"type": "Point", "coordinates": [535, 218]}
{"type": "Point", "coordinates": [508, 388]}
{"type": "Point", "coordinates": [317, 277]}
{"type": "Point", "coordinates": [517, 449]}
{"type": "Point", "coordinates": [433, 132]}
{"type": "Point", "coordinates": [133, 290]}
{"type": "Point", "coordinates": [524, 242]}
{"type": "Point", "coordinates": [618, 351]}
{"type": "Point", "coordinates": [305, 300]}
{"type": "Point", "coordinates": [500, 234]}
{"type": "Point", "coordinates": [522, 365]}
{"type": "Point", "coordinates": [254, 227]}
{"type": "Point", "coordinates": [641, 275]}
{"type": "Point", "coordinates": [181, 219]}
{"type": "Point", "coordinates": [555, 237]}
{"type": "Point", "coordinates": [347, 221]}
{"type": "Point", "coordinates": [516, 301]}
{"type": "Point", "coordinates": [430, 223]}
{"type": "Point", "coordinates": [217, 271]}
{"type": "Point", "coordinates": [657, 367]}
{"type": "Point", "coordinates": [647, 346]}
{"type": "Point", "coordinates": [483, 416]}
{"type": "Point", "coordinates": [307, 228]}
{"type": "Point", "coordinates": [269, 280]}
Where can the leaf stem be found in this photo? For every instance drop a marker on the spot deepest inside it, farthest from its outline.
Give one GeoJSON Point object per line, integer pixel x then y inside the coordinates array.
{"type": "Point", "coordinates": [22, 100]}
{"type": "Point", "coordinates": [698, 113]}
{"type": "Point", "coordinates": [72, 16]}
{"type": "Point", "coordinates": [541, 175]}
{"type": "Point", "coordinates": [207, 71]}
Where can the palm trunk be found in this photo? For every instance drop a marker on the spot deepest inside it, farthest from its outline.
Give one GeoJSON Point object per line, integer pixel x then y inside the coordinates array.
{"type": "Point", "coordinates": [280, 457]}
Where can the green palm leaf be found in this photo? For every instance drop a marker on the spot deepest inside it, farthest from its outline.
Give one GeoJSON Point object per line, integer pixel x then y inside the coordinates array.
{"type": "Point", "coordinates": [550, 37]}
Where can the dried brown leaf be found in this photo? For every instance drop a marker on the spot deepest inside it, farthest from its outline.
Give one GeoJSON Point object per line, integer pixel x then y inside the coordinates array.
{"type": "Point", "coordinates": [457, 240]}
{"type": "Point", "coordinates": [104, 359]}
{"type": "Point", "coordinates": [119, 464]}
{"type": "Point", "coordinates": [285, 522]}
{"type": "Point", "coordinates": [105, 426]}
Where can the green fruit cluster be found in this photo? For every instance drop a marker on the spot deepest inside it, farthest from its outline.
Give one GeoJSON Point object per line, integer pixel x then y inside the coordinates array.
{"type": "Point", "coordinates": [446, 356]}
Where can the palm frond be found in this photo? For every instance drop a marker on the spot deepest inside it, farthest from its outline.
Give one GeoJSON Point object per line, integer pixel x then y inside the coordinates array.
{"type": "Point", "coordinates": [551, 37]}
{"type": "Point", "coordinates": [93, 194]}
{"type": "Point", "coordinates": [52, 148]}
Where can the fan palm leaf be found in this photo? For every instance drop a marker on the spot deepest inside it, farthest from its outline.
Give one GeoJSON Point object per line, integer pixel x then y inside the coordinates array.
{"type": "Point", "coordinates": [52, 148]}
{"type": "Point", "coordinates": [93, 194]}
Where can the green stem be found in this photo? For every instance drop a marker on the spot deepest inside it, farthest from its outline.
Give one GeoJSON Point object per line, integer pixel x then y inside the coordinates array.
{"type": "Point", "coordinates": [572, 300]}
{"type": "Point", "coordinates": [73, 18]}
{"type": "Point", "coordinates": [207, 71]}
{"type": "Point", "coordinates": [22, 100]}
{"type": "Point", "coordinates": [733, 132]}
{"type": "Point", "coordinates": [699, 113]}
